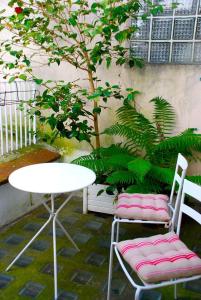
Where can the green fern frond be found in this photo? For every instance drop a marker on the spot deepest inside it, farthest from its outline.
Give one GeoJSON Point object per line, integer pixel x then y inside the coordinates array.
{"type": "Point", "coordinates": [128, 116]}
{"type": "Point", "coordinates": [140, 167]}
{"type": "Point", "coordinates": [121, 177]}
{"type": "Point", "coordinates": [120, 160]}
{"type": "Point", "coordinates": [164, 117]}
{"type": "Point", "coordinates": [146, 187]}
{"type": "Point", "coordinates": [195, 179]}
{"type": "Point", "coordinates": [91, 162]}
{"type": "Point", "coordinates": [83, 158]}
{"type": "Point", "coordinates": [164, 175]}
{"type": "Point", "coordinates": [112, 150]}
{"type": "Point", "coordinates": [137, 140]}
{"type": "Point", "coordinates": [123, 131]}
{"type": "Point", "coordinates": [183, 143]}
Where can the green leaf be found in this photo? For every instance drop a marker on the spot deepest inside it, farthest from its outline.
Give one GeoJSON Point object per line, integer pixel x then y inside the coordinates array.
{"type": "Point", "coordinates": [97, 110]}
{"type": "Point", "coordinates": [11, 79]}
{"type": "Point", "coordinates": [140, 167]}
{"type": "Point", "coordinates": [164, 117]}
{"type": "Point", "coordinates": [164, 175]}
{"type": "Point", "coordinates": [23, 77]}
{"type": "Point", "coordinates": [121, 177]}
{"type": "Point", "coordinates": [38, 81]}
{"type": "Point", "coordinates": [108, 61]}
{"type": "Point", "coordinates": [72, 21]}
{"type": "Point", "coordinates": [121, 36]}
{"type": "Point", "coordinates": [120, 160]}
{"type": "Point", "coordinates": [195, 179]}
{"type": "Point", "coordinates": [100, 192]}
{"type": "Point", "coordinates": [110, 190]}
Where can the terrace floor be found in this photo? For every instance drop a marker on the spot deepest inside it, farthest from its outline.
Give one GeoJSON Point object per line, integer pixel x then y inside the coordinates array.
{"type": "Point", "coordinates": [81, 275]}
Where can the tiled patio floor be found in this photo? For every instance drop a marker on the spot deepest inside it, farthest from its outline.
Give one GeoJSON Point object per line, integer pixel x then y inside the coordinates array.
{"type": "Point", "coordinates": [81, 275]}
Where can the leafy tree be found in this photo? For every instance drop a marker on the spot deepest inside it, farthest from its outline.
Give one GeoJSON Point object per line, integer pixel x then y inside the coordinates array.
{"type": "Point", "coordinates": [85, 34]}
{"type": "Point", "coordinates": [145, 162]}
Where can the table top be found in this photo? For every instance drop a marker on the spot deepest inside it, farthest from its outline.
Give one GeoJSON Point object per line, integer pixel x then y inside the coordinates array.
{"type": "Point", "coordinates": [52, 178]}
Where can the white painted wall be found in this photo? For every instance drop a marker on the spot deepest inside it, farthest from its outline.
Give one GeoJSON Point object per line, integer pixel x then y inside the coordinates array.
{"type": "Point", "coordinates": [15, 203]}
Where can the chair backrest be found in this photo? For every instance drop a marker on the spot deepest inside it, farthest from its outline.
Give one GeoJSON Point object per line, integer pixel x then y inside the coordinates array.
{"type": "Point", "coordinates": [179, 179]}
{"type": "Point", "coordinates": [17, 127]}
{"type": "Point", "coordinates": [193, 190]}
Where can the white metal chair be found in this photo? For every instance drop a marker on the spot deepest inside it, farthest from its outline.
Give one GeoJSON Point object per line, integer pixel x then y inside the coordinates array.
{"type": "Point", "coordinates": [161, 260]}
{"type": "Point", "coordinates": [133, 208]}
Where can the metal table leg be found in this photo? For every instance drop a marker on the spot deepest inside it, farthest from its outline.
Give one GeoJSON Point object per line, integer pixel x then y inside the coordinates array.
{"type": "Point", "coordinates": [53, 216]}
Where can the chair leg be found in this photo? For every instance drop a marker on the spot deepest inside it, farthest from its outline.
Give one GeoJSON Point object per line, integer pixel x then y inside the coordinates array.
{"type": "Point", "coordinates": [137, 294]}
{"type": "Point", "coordinates": [117, 233]}
{"type": "Point", "coordinates": [111, 261]}
{"type": "Point", "coordinates": [175, 292]}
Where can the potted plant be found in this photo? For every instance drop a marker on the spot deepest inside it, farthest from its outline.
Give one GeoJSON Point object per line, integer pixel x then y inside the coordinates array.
{"type": "Point", "coordinates": [145, 161]}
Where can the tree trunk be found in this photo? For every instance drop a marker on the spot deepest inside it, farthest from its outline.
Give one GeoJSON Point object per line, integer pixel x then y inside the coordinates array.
{"type": "Point", "coordinates": [95, 115]}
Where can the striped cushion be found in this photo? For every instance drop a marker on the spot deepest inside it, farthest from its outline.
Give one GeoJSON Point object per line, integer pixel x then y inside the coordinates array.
{"type": "Point", "coordinates": [153, 207]}
{"type": "Point", "coordinates": [160, 257]}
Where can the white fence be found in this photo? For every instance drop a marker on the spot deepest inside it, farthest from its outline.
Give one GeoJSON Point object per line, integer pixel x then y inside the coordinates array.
{"type": "Point", "coordinates": [17, 130]}
{"type": "Point", "coordinates": [17, 126]}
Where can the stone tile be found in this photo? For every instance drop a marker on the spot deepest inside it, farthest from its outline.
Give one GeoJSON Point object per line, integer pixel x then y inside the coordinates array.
{"type": "Point", "coordinates": [104, 242]}
{"type": "Point", "coordinates": [117, 289]}
{"type": "Point", "coordinates": [32, 227]}
{"type": "Point", "coordinates": [95, 259]}
{"type": "Point", "coordinates": [5, 280]}
{"type": "Point", "coordinates": [68, 252]}
{"type": "Point", "coordinates": [78, 210]}
{"type": "Point", "coordinates": [101, 215]}
{"type": "Point", "coordinates": [150, 295]}
{"type": "Point", "coordinates": [197, 249]}
{"type": "Point", "coordinates": [81, 238]}
{"type": "Point", "coordinates": [2, 253]}
{"type": "Point", "coordinates": [32, 290]}
{"type": "Point", "coordinates": [59, 232]}
{"type": "Point", "coordinates": [49, 269]}
{"type": "Point", "coordinates": [70, 220]}
{"type": "Point", "coordinates": [67, 296]}
{"type": "Point", "coordinates": [24, 261]}
{"type": "Point", "coordinates": [82, 277]}
{"type": "Point", "coordinates": [40, 245]}
{"type": "Point", "coordinates": [14, 239]}
{"type": "Point", "coordinates": [122, 231]}
{"type": "Point", "coordinates": [57, 204]}
{"type": "Point", "coordinates": [94, 225]}
{"type": "Point", "coordinates": [194, 286]}
{"type": "Point", "coordinates": [44, 215]}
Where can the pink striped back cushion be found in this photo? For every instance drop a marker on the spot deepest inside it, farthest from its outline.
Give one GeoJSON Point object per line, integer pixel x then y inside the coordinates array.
{"type": "Point", "coordinates": [153, 207]}
{"type": "Point", "coordinates": [160, 257]}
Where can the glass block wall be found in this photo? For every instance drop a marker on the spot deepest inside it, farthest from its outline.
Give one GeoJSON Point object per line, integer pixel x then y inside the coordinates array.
{"type": "Point", "coordinates": [173, 36]}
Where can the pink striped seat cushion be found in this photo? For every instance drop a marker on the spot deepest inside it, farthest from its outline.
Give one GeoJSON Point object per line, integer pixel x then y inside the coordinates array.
{"type": "Point", "coordinates": [153, 207]}
{"type": "Point", "coordinates": [160, 257]}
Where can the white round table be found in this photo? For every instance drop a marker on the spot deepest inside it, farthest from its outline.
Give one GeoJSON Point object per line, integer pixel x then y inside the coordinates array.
{"type": "Point", "coordinates": [51, 178]}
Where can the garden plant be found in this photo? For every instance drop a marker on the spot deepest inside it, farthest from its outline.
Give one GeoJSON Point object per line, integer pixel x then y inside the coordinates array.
{"type": "Point", "coordinates": [84, 34]}
{"type": "Point", "coordinates": [145, 161]}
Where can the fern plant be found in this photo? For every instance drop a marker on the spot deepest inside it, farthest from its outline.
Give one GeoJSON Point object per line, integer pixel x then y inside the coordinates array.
{"type": "Point", "coordinates": [145, 161]}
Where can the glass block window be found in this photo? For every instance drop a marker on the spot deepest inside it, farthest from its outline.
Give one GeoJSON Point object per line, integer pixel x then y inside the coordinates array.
{"type": "Point", "coordinates": [160, 52]}
{"type": "Point", "coordinates": [140, 50]}
{"type": "Point", "coordinates": [161, 29]}
{"type": "Point", "coordinates": [181, 52]}
{"type": "Point", "coordinates": [198, 31]}
{"type": "Point", "coordinates": [183, 28]}
{"type": "Point", "coordinates": [197, 53]}
{"type": "Point", "coordinates": [172, 36]}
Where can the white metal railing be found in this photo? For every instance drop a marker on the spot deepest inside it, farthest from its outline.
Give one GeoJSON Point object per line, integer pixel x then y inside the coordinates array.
{"type": "Point", "coordinates": [17, 126]}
